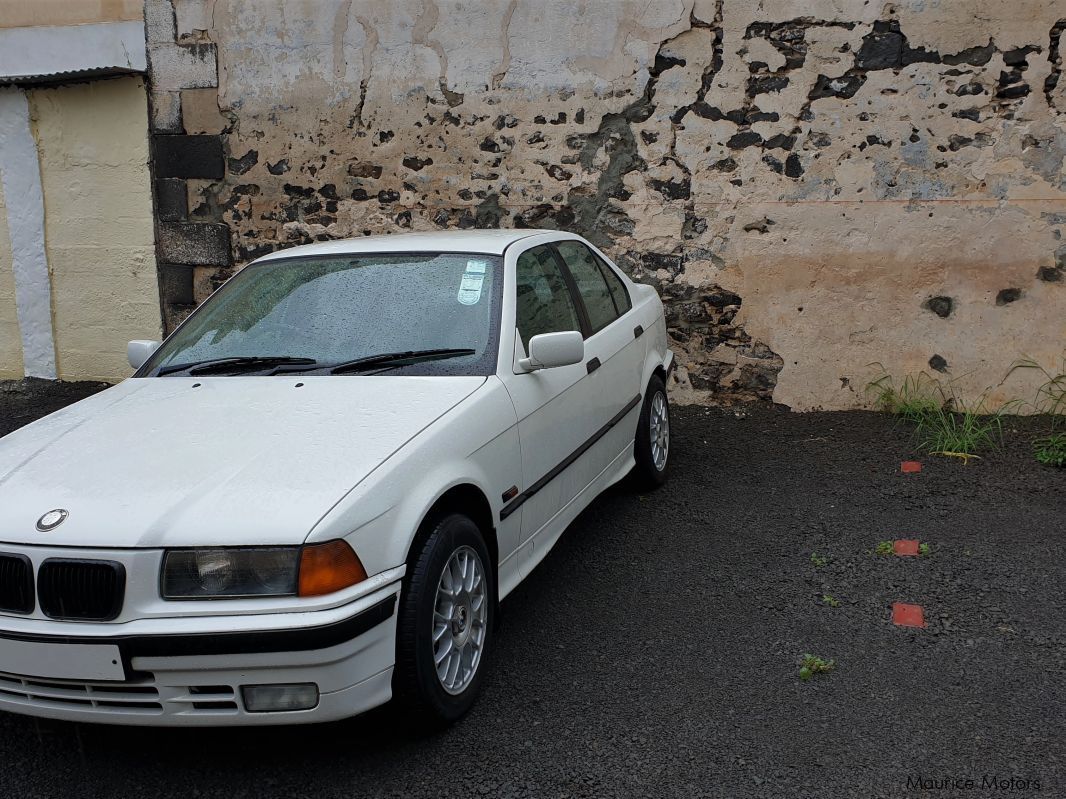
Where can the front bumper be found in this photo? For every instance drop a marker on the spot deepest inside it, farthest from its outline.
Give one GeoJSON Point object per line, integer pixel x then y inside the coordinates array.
{"type": "Point", "coordinates": [173, 676]}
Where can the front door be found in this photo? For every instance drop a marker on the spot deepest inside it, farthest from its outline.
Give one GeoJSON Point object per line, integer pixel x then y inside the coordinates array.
{"type": "Point", "coordinates": [546, 401]}
{"type": "Point", "coordinates": [573, 421]}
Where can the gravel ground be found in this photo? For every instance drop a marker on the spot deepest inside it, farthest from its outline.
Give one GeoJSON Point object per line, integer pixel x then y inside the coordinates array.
{"type": "Point", "coordinates": [656, 651]}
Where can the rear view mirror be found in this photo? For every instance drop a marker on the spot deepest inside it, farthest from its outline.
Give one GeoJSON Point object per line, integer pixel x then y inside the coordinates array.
{"type": "Point", "coordinates": [139, 351]}
{"type": "Point", "coordinates": [549, 350]}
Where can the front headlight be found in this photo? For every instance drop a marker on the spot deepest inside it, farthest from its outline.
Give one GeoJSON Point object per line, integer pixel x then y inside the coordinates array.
{"type": "Point", "coordinates": [229, 573]}
{"type": "Point", "coordinates": [208, 573]}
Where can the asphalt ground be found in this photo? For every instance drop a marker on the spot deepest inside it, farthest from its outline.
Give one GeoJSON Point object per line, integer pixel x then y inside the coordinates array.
{"type": "Point", "coordinates": [656, 651]}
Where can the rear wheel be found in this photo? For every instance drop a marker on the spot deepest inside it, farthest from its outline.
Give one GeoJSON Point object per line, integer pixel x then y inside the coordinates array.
{"type": "Point", "coordinates": [445, 624]}
{"type": "Point", "coordinates": [651, 449]}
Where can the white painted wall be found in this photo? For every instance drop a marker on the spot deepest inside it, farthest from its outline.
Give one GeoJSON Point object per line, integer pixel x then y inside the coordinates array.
{"type": "Point", "coordinates": [10, 338]}
{"type": "Point", "coordinates": [47, 50]}
{"type": "Point", "coordinates": [21, 175]}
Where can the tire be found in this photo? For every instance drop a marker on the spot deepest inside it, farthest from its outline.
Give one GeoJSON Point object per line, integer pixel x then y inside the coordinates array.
{"type": "Point", "coordinates": [436, 699]}
{"type": "Point", "coordinates": [652, 456]}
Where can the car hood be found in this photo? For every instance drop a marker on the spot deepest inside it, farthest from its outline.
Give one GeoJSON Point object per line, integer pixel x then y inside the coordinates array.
{"type": "Point", "coordinates": [177, 461]}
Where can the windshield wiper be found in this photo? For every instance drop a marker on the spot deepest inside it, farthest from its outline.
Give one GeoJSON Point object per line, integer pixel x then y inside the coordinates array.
{"type": "Point", "coordinates": [397, 359]}
{"type": "Point", "coordinates": [238, 363]}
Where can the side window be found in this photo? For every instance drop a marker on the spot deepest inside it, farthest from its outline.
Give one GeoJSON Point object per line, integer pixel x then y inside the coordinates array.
{"type": "Point", "coordinates": [585, 268]}
{"type": "Point", "coordinates": [544, 301]}
{"type": "Point", "coordinates": [617, 287]}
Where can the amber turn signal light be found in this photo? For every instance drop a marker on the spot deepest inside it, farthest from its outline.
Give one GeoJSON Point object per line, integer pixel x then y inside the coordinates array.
{"type": "Point", "coordinates": [329, 567]}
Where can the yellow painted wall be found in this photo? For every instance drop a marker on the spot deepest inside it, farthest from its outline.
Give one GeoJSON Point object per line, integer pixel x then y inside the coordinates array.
{"type": "Point", "coordinates": [92, 140]}
{"type": "Point", "coordinates": [10, 340]}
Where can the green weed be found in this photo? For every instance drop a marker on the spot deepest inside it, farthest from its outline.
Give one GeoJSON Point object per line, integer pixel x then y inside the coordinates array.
{"type": "Point", "coordinates": [1051, 450]}
{"type": "Point", "coordinates": [830, 601]}
{"type": "Point", "coordinates": [923, 549]}
{"type": "Point", "coordinates": [812, 665]}
{"type": "Point", "coordinates": [819, 560]}
{"type": "Point", "coordinates": [884, 548]}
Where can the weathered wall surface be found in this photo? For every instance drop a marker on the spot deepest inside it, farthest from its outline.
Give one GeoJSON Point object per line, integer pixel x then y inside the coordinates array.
{"type": "Point", "coordinates": [93, 151]}
{"type": "Point", "coordinates": [813, 186]}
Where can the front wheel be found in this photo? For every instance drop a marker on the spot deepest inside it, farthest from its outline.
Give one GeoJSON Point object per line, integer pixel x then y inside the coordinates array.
{"type": "Point", "coordinates": [445, 624]}
{"type": "Point", "coordinates": [651, 449]}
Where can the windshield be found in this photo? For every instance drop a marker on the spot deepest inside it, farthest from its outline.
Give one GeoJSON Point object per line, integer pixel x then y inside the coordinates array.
{"type": "Point", "coordinates": [314, 313]}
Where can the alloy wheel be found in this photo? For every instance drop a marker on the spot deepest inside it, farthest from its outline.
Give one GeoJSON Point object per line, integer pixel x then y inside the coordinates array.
{"type": "Point", "coordinates": [460, 619]}
{"type": "Point", "coordinates": [659, 430]}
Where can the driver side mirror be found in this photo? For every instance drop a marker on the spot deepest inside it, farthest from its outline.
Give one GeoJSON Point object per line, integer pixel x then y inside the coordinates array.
{"type": "Point", "coordinates": [549, 350]}
{"type": "Point", "coordinates": [139, 351]}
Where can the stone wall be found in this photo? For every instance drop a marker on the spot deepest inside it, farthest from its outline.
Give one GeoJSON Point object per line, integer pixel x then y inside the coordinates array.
{"type": "Point", "coordinates": [814, 186]}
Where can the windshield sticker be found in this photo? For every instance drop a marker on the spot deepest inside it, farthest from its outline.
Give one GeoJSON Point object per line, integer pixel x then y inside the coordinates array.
{"type": "Point", "coordinates": [476, 266]}
{"type": "Point", "coordinates": [470, 288]}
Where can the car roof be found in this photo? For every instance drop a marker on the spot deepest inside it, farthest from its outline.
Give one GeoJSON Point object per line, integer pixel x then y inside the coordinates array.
{"type": "Point", "coordinates": [490, 242]}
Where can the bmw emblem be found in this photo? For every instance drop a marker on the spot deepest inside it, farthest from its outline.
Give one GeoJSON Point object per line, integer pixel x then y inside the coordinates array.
{"type": "Point", "coordinates": [52, 520]}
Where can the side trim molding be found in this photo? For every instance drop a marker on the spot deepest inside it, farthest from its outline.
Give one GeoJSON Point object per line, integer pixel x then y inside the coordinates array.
{"type": "Point", "coordinates": [568, 461]}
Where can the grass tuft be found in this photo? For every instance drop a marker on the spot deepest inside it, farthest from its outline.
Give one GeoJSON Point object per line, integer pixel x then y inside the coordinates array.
{"type": "Point", "coordinates": [819, 560]}
{"type": "Point", "coordinates": [944, 425]}
{"type": "Point", "coordinates": [959, 434]}
{"type": "Point", "coordinates": [830, 601]}
{"type": "Point", "coordinates": [884, 548]}
{"type": "Point", "coordinates": [1049, 450]}
{"type": "Point", "coordinates": [1051, 396]}
{"type": "Point", "coordinates": [915, 396]}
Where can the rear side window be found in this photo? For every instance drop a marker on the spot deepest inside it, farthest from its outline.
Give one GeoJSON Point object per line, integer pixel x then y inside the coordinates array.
{"type": "Point", "coordinates": [618, 289]}
{"type": "Point", "coordinates": [592, 284]}
{"type": "Point", "coordinates": [544, 303]}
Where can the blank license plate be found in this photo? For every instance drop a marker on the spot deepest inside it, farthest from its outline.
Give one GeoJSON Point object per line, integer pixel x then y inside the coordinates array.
{"type": "Point", "coordinates": [61, 661]}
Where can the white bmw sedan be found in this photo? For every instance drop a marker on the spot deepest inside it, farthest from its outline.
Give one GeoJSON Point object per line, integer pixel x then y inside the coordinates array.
{"type": "Point", "coordinates": [311, 497]}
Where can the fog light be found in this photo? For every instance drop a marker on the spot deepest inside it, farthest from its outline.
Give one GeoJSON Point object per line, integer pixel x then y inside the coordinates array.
{"type": "Point", "coordinates": [278, 698]}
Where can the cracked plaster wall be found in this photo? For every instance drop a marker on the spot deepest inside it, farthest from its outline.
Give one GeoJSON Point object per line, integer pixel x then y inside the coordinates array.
{"type": "Point", "coordinates": [813, 186]}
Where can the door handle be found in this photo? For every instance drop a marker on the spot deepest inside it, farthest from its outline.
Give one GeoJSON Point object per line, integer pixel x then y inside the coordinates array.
{"type": "Point", "coordinates": [593, 365]}
{"type": "Point", "coordinates": [638, 331]}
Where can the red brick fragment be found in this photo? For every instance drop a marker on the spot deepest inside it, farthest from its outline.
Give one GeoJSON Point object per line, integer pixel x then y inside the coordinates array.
{"type": "Point", "coordinates": [905, 615]}
{"type": "Point", "coordinates": [905, 546]}
{"type": "Point", "coordinates": [910, 467]}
